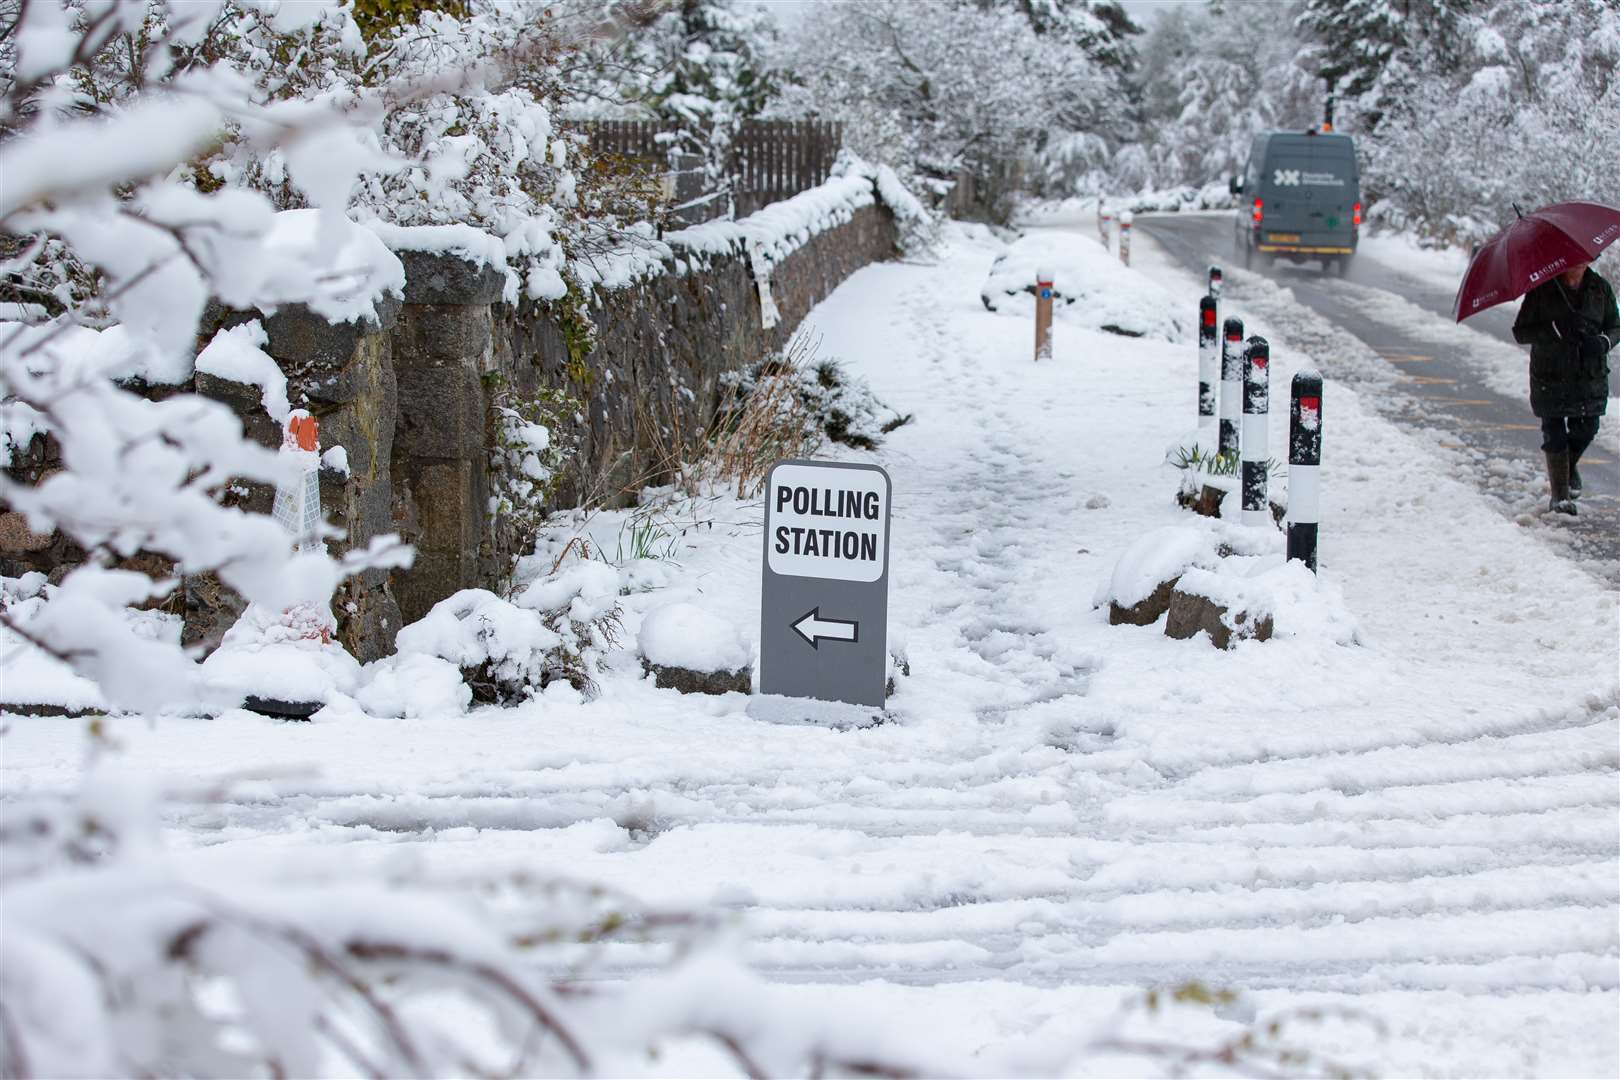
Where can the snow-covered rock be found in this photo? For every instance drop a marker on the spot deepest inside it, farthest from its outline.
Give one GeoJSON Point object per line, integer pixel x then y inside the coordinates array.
{"type": "Point", "coordinates": [1138, 591]}
{"type": "Point", "coordinates": [694, 651]}
{"type": "Point", "coordinates": [236, 354]}
{"type": "Point", "coordinates": [685, 635]}
{"type": "Point", "coordinates": [1259, 598]}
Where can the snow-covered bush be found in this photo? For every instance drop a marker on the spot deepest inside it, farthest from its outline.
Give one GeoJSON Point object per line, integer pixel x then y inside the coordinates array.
{"type": "Point", "coordinates": [556, 630]}
{"type": "Point", "coordinates": [413, 684]}
{"type": "Point", "coordinates": [1086, 287]}
{"type": "Point", "coordinates": [1522, 105]}
{"type": "Point", "coordinates": [786, 406]}
{"type": "Point", "coordinates": [831, 404]}
{"type": "Point", "coordinates": [531, 451]}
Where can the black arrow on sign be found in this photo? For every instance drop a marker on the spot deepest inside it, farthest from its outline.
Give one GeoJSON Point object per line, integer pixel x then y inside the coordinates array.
{"type": "Point", "coordinates": [813, 628]}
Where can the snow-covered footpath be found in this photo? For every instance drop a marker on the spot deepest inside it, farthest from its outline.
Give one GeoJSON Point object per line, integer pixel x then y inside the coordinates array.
{"type": "Point", "coordinates": [1420, 825]}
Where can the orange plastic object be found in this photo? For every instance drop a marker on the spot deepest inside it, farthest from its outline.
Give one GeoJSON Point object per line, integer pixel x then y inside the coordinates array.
{"type": "Point", "coordinates": [305, 431]}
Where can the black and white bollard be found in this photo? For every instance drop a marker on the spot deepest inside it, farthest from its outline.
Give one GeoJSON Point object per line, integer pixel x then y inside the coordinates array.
{"type": "Point", "coordinates": [1304, 459]}
{"type": "Point", "coordinates": [1105, 219]}
{"type": "Point", "coordinates": [1231, 387]}
{"type": "Point", "coordinates": [1215, 282]}
{"type": "Point", "coordinates": [1256, 415]}
{"type": "Point", "coordinates": [1125, 237]}
{"type": "Point", "coordinates": [1209, 372]}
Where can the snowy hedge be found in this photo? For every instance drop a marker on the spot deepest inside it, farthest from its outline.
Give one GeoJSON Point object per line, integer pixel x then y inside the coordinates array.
{"type": "Point", "coordinates": [1086, 287]}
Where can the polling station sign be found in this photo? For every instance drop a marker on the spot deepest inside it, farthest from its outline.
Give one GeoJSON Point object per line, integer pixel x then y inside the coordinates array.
{"type": "Point", "coordinates": [824, 605]}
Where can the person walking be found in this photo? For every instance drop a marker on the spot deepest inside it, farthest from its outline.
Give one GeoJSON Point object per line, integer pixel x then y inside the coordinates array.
{"type": "Point", "coordinates": [1570, 323]}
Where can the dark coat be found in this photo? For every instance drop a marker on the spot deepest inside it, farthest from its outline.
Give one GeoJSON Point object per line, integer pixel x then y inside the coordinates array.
{"type": "Point", "coordinates": [1552, 321]}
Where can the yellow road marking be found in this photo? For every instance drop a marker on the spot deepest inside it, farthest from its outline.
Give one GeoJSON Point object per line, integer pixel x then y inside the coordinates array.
{"type": "Point", "coordinates": [1456, 401]}
{"type": "Point", "coordinates": [1428, 380]}
{"type": "Point", "coordinates": [1406, 358]}
{"type": "Point", "coordinates": [1519, 427]}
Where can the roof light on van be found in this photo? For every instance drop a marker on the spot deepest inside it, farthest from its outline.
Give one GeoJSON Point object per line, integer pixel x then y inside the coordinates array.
{"type": "Point", "coordinates": [1257, 214]}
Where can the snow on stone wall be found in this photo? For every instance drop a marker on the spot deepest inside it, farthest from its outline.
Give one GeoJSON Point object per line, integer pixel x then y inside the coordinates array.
{"type": "Point", "coordinates": [407, 386]}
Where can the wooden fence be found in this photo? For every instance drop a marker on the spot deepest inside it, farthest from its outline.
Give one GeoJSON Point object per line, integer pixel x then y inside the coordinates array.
{"type": "Point", "coordinates": [770, 159]}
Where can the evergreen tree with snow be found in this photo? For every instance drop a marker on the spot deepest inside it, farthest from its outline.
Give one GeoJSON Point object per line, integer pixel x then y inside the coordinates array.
{"type": "Point", "coordinates": [1101, 28]}
{"type": "Point", "coordinates": [709, 76]}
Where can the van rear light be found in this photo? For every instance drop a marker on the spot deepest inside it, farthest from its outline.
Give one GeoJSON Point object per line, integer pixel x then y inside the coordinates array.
{"type": "Point", "coordinates": [1355, 215]}
{"type": "Point", "coordinates": [1257, 211]}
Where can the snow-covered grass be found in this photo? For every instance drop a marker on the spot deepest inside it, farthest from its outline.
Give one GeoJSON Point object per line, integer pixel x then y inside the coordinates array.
{"type": "Point", "coordinates": [1420, 827]}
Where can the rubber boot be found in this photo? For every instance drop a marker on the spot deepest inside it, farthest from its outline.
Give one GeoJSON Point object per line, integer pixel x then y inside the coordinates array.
{"type": "Point", "coordinates": [1575, 452]}
{"type": "Point", "coordinates": [1558, 478]}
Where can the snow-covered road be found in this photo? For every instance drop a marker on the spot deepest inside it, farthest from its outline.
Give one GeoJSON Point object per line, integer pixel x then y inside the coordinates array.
{"type": "Point", "coordinates": [1422, 825]}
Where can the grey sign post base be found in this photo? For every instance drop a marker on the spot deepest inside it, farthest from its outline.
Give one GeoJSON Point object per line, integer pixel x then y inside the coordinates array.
{"type": "Point", "coordinates": [824, 608]}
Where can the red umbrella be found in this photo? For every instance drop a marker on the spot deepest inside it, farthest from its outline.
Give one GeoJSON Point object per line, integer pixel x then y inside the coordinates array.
{"type": "Point", "coordinates": [1534, 249]}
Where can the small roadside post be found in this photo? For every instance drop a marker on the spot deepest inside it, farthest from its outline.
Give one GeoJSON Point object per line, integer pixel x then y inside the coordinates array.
{"type": "Point", "coordinates": [1043, 314]}
{"type": "Point", "coordinates": [1105, 220]}
{"type": "Point", "coordinates": [824, 606]}
{"type": "Point", "coordinates": [1256, 415]}
{"type": "Point", "coordinates": [1125, 219]}
{"type": "Point", "coordinates": [1208, 372]}
{"type": "Point", "coordinates": [1216, 280]}
{"type": "Point", "coordinates": [1304, 462]}
{"type": "Point", "coordinates": [1231, 387]}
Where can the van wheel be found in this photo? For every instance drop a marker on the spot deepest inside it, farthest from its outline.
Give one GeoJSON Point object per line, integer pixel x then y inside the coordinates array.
{"type": "Point", "coordinates": [1343, 265]}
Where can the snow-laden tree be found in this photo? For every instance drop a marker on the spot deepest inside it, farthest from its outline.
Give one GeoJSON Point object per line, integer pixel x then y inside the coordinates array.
{"type": "Point", "coordinates": [1102, 29]}
{"type": "Point", "coordinates": [1523, 107]}
{"type": "Point", "coordinates": [710, 76]}
{"type": "Point", "coordinates": [1211, 78]}
{"type": "Point", "coordinates": [947, 87]}
{"type": "Point", "coordinates": [698, 67]}
{"type": "Point", "coordinates": [1373, 53]}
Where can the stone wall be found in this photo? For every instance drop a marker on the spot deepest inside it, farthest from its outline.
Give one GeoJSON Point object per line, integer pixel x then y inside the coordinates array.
{"type": "Point", "coordinates": [411, 398]}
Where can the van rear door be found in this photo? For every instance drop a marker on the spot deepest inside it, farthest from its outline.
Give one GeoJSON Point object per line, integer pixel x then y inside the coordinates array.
{"type": "Point", "coordinates": [1312, 188]}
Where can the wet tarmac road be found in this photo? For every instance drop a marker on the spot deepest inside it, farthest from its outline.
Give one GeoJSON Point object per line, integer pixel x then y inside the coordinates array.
{"type": "Point", "coordinates": [1437, 385]}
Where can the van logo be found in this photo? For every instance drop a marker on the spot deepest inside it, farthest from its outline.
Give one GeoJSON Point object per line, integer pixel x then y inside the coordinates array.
{"type": "Point", "coordinates": [1285, 177]}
